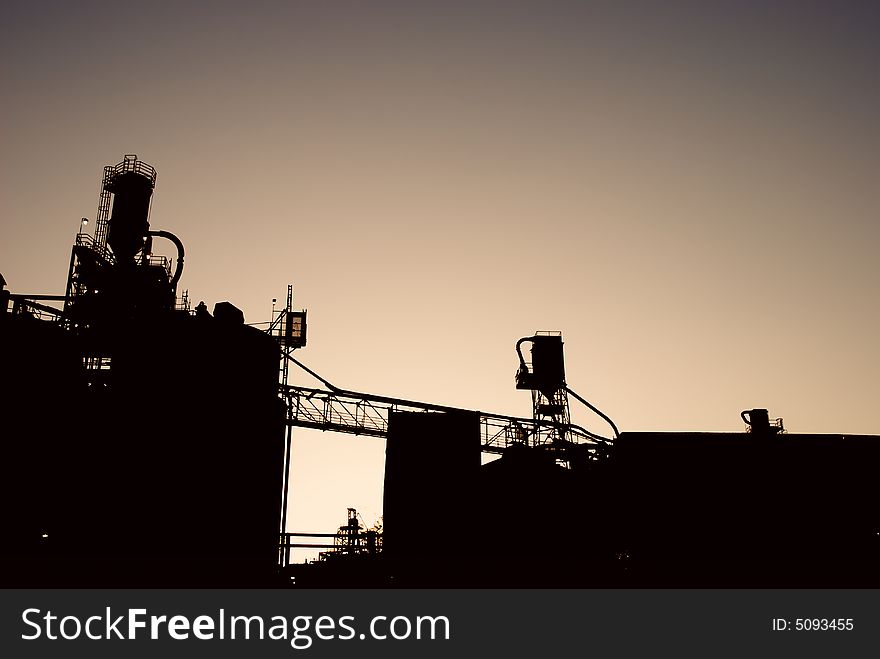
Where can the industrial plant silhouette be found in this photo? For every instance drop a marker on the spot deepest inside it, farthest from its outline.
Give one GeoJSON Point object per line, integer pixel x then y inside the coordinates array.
{"type": "Point", "coordinates": [148, 444]}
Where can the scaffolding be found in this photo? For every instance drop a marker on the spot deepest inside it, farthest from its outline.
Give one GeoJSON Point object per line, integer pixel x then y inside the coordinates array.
{"type": "Point", "coordinates": [351, 540]}
{"type": "Point", "coordinates": [367, 414]}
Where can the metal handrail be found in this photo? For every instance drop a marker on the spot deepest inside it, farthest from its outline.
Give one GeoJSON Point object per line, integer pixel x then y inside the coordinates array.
{"type": "Point", "coordinates": [360, 414]}
{"type": "Point", "coordinates": [131, 164]}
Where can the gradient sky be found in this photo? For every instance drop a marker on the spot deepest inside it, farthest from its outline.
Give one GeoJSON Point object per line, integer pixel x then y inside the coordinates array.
{"type": "Point", "coordinates": [687, 190]}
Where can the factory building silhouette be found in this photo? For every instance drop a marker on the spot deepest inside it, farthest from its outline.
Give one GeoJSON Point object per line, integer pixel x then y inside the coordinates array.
{"type": "Point", "coordinates": [145, 441]}
{"type": "Point", "coordinates": [148, 444]}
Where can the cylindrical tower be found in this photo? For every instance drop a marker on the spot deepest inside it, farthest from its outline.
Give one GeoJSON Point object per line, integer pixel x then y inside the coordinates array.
{"type": "Point", "coordinates": [131, 182]}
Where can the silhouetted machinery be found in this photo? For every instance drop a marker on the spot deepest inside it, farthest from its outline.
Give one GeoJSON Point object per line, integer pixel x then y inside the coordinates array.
{"type": "Point", "coordinates": [114, 276]}
{"type": "Point", "coordinates": [146, 446]}
{"type": "Point", "coordinates": [547, 374]}
{"type": "Point", "coordinates": [147, 440]}
{"type": "Point", "coordinates": [567, 507]}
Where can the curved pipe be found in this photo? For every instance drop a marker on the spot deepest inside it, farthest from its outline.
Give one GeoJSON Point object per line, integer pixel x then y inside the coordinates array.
{"type": "Point", "coordinates": [522, 360]}
{"type": "Point", "coordinates": [178, 270]}
{"type": "Point", "coordinates": [523, 371]}
{"type": "Point", "coordinates": [597, 411]}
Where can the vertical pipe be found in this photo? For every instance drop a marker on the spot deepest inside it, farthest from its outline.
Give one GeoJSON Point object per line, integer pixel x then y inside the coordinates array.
{"type": "Point", "coordinates": [285, 559]}
{"type": "Point", "coordinates": [68, 292]}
